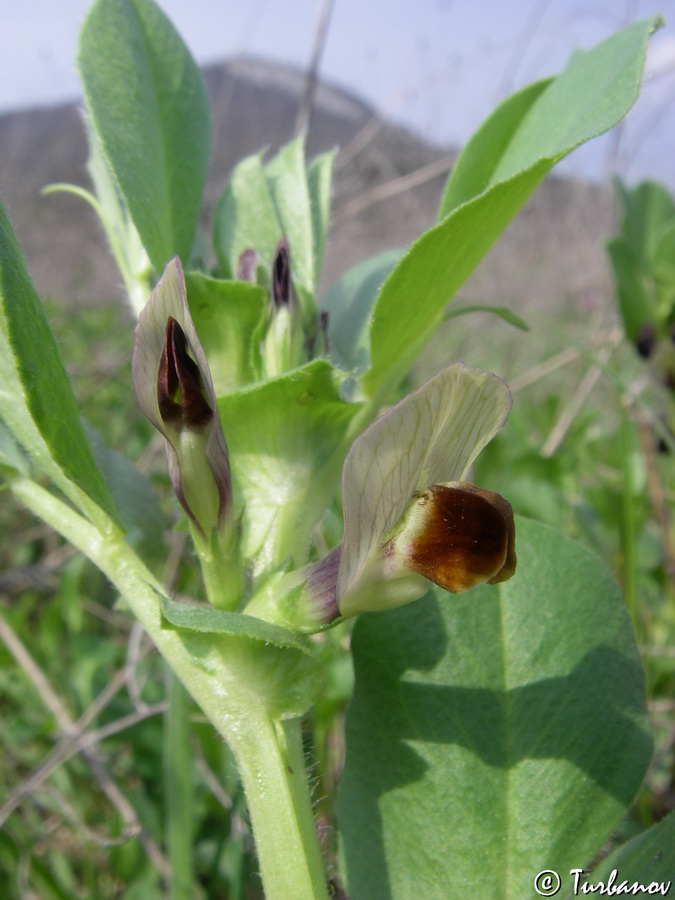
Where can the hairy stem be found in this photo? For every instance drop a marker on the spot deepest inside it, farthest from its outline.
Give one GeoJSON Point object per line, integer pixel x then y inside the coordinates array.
{"type": "Point", "coordinates": [268, 752]}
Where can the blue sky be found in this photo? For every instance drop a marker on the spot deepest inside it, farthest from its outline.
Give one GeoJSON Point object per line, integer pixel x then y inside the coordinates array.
{"type": "Point", "coordinates": [439, 66]}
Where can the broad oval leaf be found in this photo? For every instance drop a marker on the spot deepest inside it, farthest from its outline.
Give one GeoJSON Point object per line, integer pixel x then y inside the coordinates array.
{"type": "Point", "coordinates": [492, 734]}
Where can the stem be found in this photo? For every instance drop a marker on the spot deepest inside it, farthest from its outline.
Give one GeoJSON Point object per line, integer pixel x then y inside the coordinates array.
{"type": "Point", "coordinates": [268, 752]}
{"type": "Point", "coordinates": [271, 762]}
{"type": "Point", "coordinates": [178, 789]}
{"type": "Point", "coordinates": [221, 569]}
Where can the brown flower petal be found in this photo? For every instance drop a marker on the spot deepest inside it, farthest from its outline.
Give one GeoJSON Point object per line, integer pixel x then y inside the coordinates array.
{"type": "Point", "coordinates": [460, 536]}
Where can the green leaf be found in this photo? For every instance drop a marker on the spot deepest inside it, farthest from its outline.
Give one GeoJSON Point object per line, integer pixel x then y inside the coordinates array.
{"type": "Point", "coordinates": [476, 165]}
{"type": "Point", "coordinates": [492, 734]}
{"type": "Point", "coordinates": [648, 208]}
{"type": "Point", "coordinates": [642, 258]}
{"type": "Point", "coordinates": [664, 274]}
{"type": "Point", "coordinates": [502, 311]}
{"type": "Point", "coordinates": [149, 108]}
{"type": "Point", "coordinates": [12, 460]}
{"type": "Point", "coordinates": [135, 500]}
{"type": "Point", "coordinates": [635, 301]}
{"type": "Point", "coordinates": [594, 93]}
{"type": "Point", "coordinates": [647, 858]}
{"type": "Point", "coordinates": [123, 237]}
{"type": "Point", "coordinates": [277, 666]}
{"type": "Point", "coordinates": [287, 178]}
{"type": "Point", "coordinates": [286, 439]}
{"type": "Point", "coordinates": [349, 303]}
{"type": "Point", "coordinates": [206, 620]}
{"type": "Point", "coordinates": [320, 182]}
{"type": "Point", "coordinates": [36, 398]}
{"type": "Point", "coordinates": [246, 219]}
{"type": "Point", "coordinates": [228, 316]}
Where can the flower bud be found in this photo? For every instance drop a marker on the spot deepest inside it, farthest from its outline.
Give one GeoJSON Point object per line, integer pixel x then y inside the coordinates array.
{"type": "Point", "coordinates": [645, 341]}
{"type": "Point", "coordinates": [200, 479]}
{"type": "Point", "coordinates": [281, 276]}
{"type": "Point", "coordinates": [284, 341]}
{"type": "Point", "coordinates": [174, 389]}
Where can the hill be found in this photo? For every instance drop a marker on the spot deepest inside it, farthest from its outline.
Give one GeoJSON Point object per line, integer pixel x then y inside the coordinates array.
{"type": "Point", "coordinates": [254, 106]}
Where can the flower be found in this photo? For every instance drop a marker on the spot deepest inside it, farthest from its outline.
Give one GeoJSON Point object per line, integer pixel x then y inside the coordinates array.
{"type": "Point", "coordinates": [410, 516]}
{"type": "Point", "coordinates": [174, 388]}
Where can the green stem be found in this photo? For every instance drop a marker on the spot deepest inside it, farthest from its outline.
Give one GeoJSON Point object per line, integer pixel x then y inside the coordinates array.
{"type": "Point", "coordinates": [178, 789]}
{"type": "Point", "coordinates": [271, 762]}
{"type": "Point", "coordinates": [268, 752]}
{"type": "Point", "coordinates": [222, 570]}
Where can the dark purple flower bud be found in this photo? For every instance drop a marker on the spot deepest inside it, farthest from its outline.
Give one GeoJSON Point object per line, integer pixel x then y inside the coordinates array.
{"type": "Point", "coordinates": [175, 391]}
{"type": "Point", "coordinates": [281, 276]}
{"type": "Point", "coordinates": [180, 390]}
{"type": "Point", "coordinates": [646, 341]}
{"type": "Point", "coordinates": [284, 345]}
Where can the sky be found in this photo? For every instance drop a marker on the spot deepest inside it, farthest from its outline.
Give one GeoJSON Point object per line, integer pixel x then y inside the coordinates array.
{"type": "Point", "coordinates": [437, 66]}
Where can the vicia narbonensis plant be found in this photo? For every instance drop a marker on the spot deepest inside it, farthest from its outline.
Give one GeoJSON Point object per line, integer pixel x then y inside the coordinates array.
{"type": "Point", "coordinates": [498, 725]}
